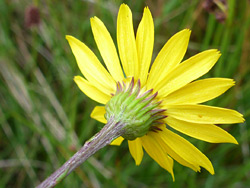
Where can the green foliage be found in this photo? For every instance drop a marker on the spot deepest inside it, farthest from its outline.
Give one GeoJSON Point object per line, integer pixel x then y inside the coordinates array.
{"type": "Point", "coordinates": [44, 117]}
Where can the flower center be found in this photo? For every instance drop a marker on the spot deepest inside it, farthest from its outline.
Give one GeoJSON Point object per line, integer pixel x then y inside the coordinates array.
{"type": "Point", "coordinates": [138, 110]}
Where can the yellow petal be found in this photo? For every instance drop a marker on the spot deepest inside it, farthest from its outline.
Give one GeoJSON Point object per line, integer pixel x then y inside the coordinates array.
{"type": "Point", "coordinates": [117, 141]}
{"type": "Point", "coordinates": [186, 150]}
{"type": "Point", "coordinates": [169, 57]}
{"type": "Point", "coordinates": [144, 44]}
{"type": "Point", "coordinates": [90, 66]}
{"type": "Point", "coordinates": [188, 71]}
{"type": "Point", "coordinates": [98, 114]}
{"type": "Point", "coordinates": [126, 42]}
{"type": "Point", "coordinates": [155, 151]}
{"type": "Point", "coordinates": [203, 114]}
{"type": "Point", "coordinates": [91, 91]}
{"type": "Point", "coordinates": [107, 48]}
{"type": "Point", "coordinates": [206, 132]}
{"type": "Point", "coordinates": [199, 91]}
{"type": "Point", "coordinates": [157, 136]}
{"type": "Point", "coordinates": [135, 148]}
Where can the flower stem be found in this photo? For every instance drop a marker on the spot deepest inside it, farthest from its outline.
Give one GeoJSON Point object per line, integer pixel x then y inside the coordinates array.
{"type": "Point", "coordinates": [108, 133]}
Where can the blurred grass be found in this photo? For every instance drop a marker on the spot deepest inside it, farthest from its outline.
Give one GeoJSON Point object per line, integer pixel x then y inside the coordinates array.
{"type": "Point", "coordinates": [44, 117]}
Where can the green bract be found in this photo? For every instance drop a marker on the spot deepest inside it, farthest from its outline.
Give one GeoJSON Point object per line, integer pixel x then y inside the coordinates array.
{"type": "Point", "coordinates": [135, 109]}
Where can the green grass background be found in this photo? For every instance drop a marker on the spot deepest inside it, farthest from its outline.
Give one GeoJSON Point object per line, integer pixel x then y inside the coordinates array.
{"type": "Point", "coordinates": [45, 118]}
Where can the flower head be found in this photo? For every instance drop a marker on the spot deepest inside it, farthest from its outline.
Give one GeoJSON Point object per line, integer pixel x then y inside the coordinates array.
{"type": "Point", "coordinates": [166, 93]}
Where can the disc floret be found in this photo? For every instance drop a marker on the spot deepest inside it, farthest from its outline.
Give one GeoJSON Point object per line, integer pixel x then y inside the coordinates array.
{"type": "Point", "coordinates": [138, 110]}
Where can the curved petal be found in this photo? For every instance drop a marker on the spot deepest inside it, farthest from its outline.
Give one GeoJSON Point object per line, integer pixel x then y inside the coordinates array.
{"type": "Point", "coordinates": [135, 148]}
{"type": "Point", "coordinates": [90, 66]}
{"type": "Point", "coordinates": [117, 141]}
{"type": "Point", "coordinates": [91, 91]}
{"type": "Point", "coordinates": [157, 153]}
{"type": "Point", "coordinates": [175, 156]}
{"type": "Point", "coordinates": [203, 114]}
{"type": "Point", "coordinates": [145, 44]}
{"type": "Point", "coordinates": [107, 48]}
{"type": "Point", "coordinates": [188, 71]}
{"type": "Point", "coordinates": [206, 132]}
{"type": "Point", "coordinates": [126, 42]}
{"type": "Point", "coordinates": [199, 91]}
{"type": "Point", "coordinates": [98, 114]}
{"type": "Point", "coordinates": [169, 57]}
{"type": "Point", "coordinates": [186, 150]}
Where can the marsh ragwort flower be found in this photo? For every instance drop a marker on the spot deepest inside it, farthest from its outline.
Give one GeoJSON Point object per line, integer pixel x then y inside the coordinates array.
{"type": "Point", "coordinates": [176, 94]}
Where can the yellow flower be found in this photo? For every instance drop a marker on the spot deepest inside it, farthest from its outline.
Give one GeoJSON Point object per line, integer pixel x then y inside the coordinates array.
{"type": "Point", "coordinates": [172, 79]}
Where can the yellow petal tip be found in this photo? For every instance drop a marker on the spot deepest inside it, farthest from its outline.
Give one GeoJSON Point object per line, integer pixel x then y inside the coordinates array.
{"type": "Point", "coordinates": [172, 174]}
{"type": "Point", "coordinates": [117, 141]}
{"type": "Point", "coordinates": [186, 31]}
{"type": "Point", "coordinates": [137, 164]}
{"type": "Point", "coordinates": [76, 78]}
{"type": "Point", "coordinates": [240, 117]}
{"type": "Point", "coordinates": [243, 119]}
{"type": "Point", "coordinates": [93, 19]}
{"type": "Point", "coordinates": [123, 6]}
{"type": "Point", "coordinates": [146, 9]}
{"type": "Point", "coordinates": [218, 52]}
{"type": "Point", "coordinates": [232, 140]}
{"type": "Point", "coordinates": [68, 37]}
{"type": "Point", "coordinates": [232, 82]}
{"type": "Point", "coordinates": [211, 169]}
{"type": "Point", "coordinates": [199, 169]}
{"type": "Point", "coordinates": [235, 142]}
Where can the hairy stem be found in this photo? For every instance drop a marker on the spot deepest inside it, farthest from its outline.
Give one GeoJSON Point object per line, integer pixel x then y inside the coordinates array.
{"type": "Point", "coordinates": [108, 133]}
